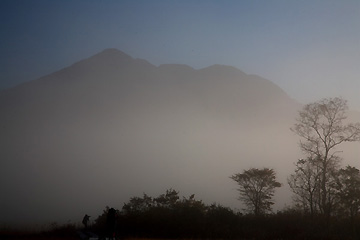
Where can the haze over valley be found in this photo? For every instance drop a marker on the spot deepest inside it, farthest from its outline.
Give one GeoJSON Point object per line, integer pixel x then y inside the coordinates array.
{"type": "Point", "coordinates": [111, 127]}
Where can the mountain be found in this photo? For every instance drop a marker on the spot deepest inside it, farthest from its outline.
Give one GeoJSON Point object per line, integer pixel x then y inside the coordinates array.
{"type": "Point", "coordinates": [111, 127]}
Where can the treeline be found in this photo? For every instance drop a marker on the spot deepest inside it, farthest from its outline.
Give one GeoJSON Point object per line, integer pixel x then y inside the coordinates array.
{"type": "Point", "coordinates": [169, 216]}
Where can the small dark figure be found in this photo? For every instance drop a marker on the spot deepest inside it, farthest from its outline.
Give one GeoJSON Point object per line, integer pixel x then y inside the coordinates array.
{"type": "Point", "coordinates": [111, 223]}
{"type": "Point", "coordinates": [85, 220]}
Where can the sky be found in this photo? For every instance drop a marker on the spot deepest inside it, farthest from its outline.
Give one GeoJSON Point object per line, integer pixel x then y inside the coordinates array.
{"type": "Point", "coordinates": [311, 49]}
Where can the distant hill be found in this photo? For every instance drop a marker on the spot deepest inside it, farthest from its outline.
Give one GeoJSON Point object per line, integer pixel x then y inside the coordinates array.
{"type": "Point", "coordinates": [111, 127]}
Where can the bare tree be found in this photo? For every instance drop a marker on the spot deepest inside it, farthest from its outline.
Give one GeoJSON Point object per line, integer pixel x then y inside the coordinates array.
{"type": "Point", "coordinates": [305, 183]}
{"type": "Point", "coordinates": [257, 187]}
{"type": "Point", "coordinates": [321, 128]}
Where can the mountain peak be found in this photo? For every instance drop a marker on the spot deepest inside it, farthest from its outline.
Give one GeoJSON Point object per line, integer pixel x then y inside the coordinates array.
{"type": "Point", "coordinates": [106, 58]}
{"type": "Point", "coordinates": [113, 53]}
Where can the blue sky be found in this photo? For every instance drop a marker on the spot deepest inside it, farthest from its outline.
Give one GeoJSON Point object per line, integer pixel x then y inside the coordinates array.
{"type": "Point", "coordinates": [311, 48]}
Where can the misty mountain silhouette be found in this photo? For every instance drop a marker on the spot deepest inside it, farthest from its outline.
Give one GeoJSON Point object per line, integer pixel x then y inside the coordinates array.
{"type": "Point", "coordinates": [110, 127]}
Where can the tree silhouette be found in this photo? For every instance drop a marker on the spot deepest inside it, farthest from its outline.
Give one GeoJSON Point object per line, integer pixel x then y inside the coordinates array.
{"type": "Point", "coordinates": [321, 128]}
{"type": "Point", "coordinates": [256, 188]}
{"type": "Point", "coordinates": [349, 190]}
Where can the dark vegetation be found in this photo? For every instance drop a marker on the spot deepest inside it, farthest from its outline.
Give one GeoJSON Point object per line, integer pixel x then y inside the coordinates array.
{"type": "Point", "coordinates": [169, 216]}
{"type": "Point", "coordinates": [172, 217]}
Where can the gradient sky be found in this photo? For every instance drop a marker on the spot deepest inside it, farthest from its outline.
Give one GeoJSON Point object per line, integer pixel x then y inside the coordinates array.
{"type": "Point", "coordinates": [311, 48]}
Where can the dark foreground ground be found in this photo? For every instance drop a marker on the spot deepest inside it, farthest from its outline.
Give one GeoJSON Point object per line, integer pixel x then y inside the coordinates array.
{"type": "Point", "coordinates": [16, 235]}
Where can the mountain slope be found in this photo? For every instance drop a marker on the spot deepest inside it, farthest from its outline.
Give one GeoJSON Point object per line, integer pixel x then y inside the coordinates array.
{"type": "Point", "coordinates": [110, 127]}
